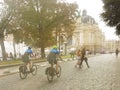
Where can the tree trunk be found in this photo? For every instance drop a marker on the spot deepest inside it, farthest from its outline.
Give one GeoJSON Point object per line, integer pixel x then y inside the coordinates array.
{"type": "Point", "coordinates": [14, 49]}
{"type": "Point", "coordinates": [42, 52]}
{"type": "Point", "coordinates": [59, 43]}
{"type": "Point", "coordinates": [4, 54]}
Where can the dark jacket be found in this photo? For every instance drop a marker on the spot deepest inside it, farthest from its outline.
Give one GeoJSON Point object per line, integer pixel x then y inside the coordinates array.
{"type": "Point", "coordinates": [83, 52]}
{"type": "Point", "coordinates": [25, 58]}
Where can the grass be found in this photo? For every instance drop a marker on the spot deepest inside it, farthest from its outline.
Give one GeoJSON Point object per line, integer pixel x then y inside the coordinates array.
{"type": "Point", "coordinates": [19, 61]}
{"type": "Point", "coordinates": [66, 56]}
{"type": "Point", "coordinates": [10, 62]}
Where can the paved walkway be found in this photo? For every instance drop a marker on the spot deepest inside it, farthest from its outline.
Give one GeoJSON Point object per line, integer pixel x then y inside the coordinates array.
{"type": "Point", "coordinates": [12, 70]}
{"type": "Point", "coordinates": [103, 74]}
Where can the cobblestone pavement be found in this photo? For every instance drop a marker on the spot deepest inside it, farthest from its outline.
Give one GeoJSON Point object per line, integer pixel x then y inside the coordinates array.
{"type": "Point", "coordinates": [103, 74]}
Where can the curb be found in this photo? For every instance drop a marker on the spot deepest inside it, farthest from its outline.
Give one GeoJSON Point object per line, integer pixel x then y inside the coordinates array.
{"type": "Point", "coordinates": [13, 65]}
{"type": "Point", "coordinates": [10, 73]}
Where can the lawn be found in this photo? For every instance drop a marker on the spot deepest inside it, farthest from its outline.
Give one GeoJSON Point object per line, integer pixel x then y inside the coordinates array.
{"type": "Point", "coordinates": [19, 61]}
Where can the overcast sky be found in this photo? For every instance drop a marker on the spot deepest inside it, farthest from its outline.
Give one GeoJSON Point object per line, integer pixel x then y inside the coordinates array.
{"type": "Point", "coordinates": [94, 8]}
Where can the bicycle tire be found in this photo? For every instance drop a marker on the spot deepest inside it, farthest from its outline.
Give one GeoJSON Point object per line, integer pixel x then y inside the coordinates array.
{"type": "Point", "coordinates": [34, 68]}
{"type": "Point", "coordinates": [49, 75]}
{"type": "Point", "coordinates": [22, 72]}
{"type": "Point", "coordinates": [59, 71]}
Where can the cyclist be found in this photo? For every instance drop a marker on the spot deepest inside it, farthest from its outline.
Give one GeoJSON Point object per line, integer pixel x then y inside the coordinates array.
{"type": "Point", "coordinates": [52, 57]}
{"type": "Point", "coordinates": [26, 59]}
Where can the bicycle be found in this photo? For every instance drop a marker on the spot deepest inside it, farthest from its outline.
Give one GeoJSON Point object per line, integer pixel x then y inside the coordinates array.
{"type": "Point", "coordinates": [51, 72]}
{"type": "Point", "coordinates": [23, 72]}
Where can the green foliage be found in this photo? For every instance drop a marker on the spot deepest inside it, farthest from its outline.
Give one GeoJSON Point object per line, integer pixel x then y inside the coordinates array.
{"type": "Point", "coordinates": [37, 19]}
{"type": "Point", "coordinates": [111, 14]}
{"type": "Point", "coordinates": [34, 22]}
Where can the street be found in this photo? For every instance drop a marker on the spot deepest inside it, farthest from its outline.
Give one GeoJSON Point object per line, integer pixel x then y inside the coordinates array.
{"type": "Point", "coordinates": [103, 74]}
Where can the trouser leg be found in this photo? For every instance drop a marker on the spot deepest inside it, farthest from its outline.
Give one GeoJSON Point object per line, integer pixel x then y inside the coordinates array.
{"type": "Point", "coordinates": [81, 62]}
{"type": "Point", "coordinates": [86, 60]}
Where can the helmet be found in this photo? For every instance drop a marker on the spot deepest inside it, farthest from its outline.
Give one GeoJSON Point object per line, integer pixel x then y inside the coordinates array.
{"type": "Point", "coordinates": [54, 47]}
{"type": "Point", "coordinates": [29, 51]}
{"type": "Point", "coordinates": [29, 47]}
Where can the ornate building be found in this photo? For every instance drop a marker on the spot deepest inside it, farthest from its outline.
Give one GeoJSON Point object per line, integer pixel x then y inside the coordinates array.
{"type": "Point", "coordinates": [111, 45]}
{"type": "Point", "coordinates": [88, 34]}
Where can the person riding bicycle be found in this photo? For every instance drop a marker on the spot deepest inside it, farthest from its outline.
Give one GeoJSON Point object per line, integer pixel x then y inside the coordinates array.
{"type": "Point", "coordinates": [52, 57]}
{"type": "Point", "coordinates": [29, 51]}
{"type": "Point", "coordinates": [26, 59]}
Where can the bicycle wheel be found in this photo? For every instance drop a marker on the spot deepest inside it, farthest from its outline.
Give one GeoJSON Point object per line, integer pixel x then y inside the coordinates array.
{"type": "Point", "coordinates": [22, 72]}
{"type": "Point", "coordinates": [59, 71]}
{"type": "Point", "coordinates": [49, 74]}
{"type": "Point", "coordinates": [34, 70]}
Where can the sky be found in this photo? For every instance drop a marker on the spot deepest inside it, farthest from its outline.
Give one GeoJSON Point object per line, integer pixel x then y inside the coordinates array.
{"type": "Point", "coordinates": [94, 8]}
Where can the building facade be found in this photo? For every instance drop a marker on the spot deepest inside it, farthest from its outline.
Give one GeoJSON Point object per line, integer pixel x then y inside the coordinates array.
{"type": "Point", "coordinates": [88, 34]}
{"type": "Point", "coordinates": [111, 45]}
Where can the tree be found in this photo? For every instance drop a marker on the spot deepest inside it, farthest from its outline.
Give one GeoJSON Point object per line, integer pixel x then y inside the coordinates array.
{"type": "Point", "coordinates": [65, 25]}
{"type": "Point", "coordinates": [111, 14]}
{"type": "Point", "coordinates": [35, 21]}
{"type": "Point", "coordinates": [4, 22]}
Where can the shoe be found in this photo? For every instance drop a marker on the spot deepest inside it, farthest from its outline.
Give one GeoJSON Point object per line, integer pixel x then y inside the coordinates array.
{"type": "Point", "coordinates": [80, 66]}
{"type": "Point", "coordinates": [75, 66]}
{"type": "Point", "coordinates": [31, 70]}
{"type": "Point", "coordinates": [57, 72]}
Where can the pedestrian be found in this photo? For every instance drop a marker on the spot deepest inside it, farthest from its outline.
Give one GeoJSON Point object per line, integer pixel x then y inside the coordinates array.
{"type": "Point", "coordinates": [83, 57]}
{"type": "Point", "coordinates": [78, 54]}
{"type": "Point", "coordinates": [116, 52]}
{"type": "Point", "coordinates": [11, 56]}
{"type": "Point", "coordinates": [72, 54]}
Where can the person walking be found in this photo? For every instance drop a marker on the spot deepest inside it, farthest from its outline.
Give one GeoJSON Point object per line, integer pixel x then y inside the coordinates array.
{"type": "Point", "coordinates": [83, 58]}
{"type": "Point", "coordinates": [72, 54]}
{"type": "Point", "coordinates": [116, 52]}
